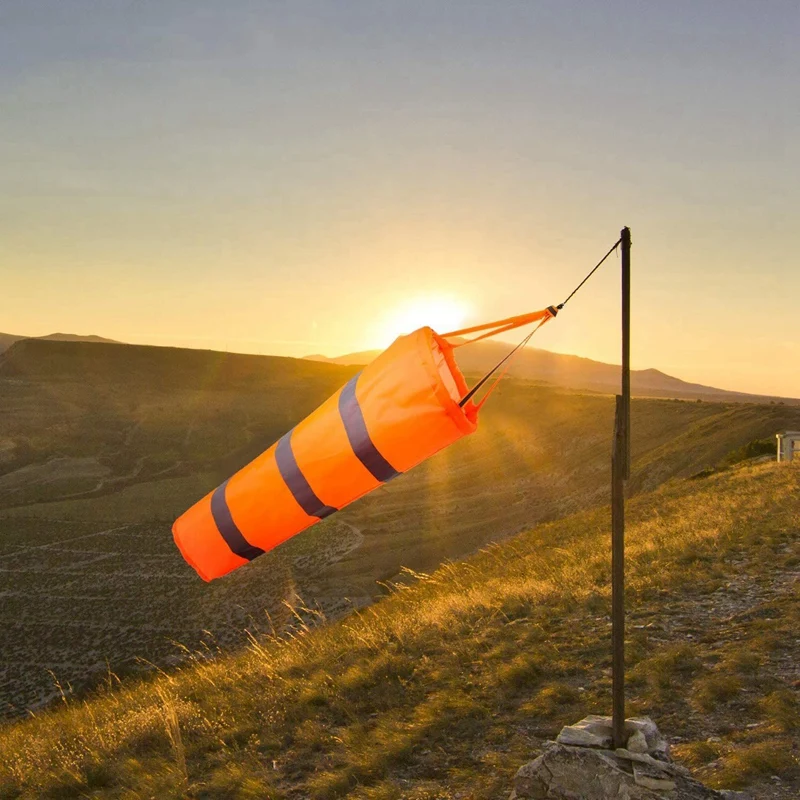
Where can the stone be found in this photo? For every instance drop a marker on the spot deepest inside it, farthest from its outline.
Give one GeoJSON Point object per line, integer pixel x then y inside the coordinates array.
{"type": "Point", "coordinates": [637, 743]}
{"type": "Point", "coordinates": [652, 777]}
{"type": "Point", "coordinates": [566, 772]}
{"type": "Point", "coordinates": [657, 745]}
{"type": "Point", "coordinates": [645, 725]}
{"type": "Point", "coordinates": [661, 751]}
{"type": "Point", "coordinates": [729, 794]}
{"type": "Point", "coordinates": [596, 731]}
{"type": "Point", "coordinates": [591, 731]}
{"type": "Point", "coordinates": [582, 738]}
{"type": "Point", "coordinates": [644, 758]}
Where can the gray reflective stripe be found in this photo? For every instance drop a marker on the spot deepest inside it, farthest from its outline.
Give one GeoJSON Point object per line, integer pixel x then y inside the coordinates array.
{"type": "Point", "coordinates": [296, 481]}
{"type": "Point", "coordinates": [227, 527]}
{"type": "Point", "coordinates": [359, 437]}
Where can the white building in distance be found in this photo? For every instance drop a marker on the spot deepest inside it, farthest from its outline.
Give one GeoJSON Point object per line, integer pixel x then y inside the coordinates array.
{"type": "Point", "coordinates": [788, 445]}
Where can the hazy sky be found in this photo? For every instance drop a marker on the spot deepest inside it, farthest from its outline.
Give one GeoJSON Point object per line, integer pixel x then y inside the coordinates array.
{"type": "Point", "coordinates": [288, 177]}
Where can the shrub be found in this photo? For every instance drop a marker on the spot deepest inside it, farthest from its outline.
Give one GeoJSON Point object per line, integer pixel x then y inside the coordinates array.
{"type": "Point", "coordinates": [782, 708]}
{"type": "Point", "coordinates": [715, 689]}
{"type": "Point", "coordinates": [753, 761]}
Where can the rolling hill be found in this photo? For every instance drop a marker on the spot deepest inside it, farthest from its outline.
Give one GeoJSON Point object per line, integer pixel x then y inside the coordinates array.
{"type": "Point", "coordinates": [7, 339]}
{"type": "Point", "coordinates": [443, 689]}
{"type": "Point", "coordinates": [572, 372]}
{"type": "Point", "coordinates": [103, 445]}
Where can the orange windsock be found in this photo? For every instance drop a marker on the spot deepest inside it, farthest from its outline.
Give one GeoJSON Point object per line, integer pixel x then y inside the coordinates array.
{"type": "Point", "coordinates": [399, 410]}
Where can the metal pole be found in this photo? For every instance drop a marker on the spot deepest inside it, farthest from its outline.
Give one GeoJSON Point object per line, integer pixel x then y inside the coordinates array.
{"type": "Point", "coordinates": [620, 472]}
{"type": "Point", "coordinates": [618, 575]}
{"type": "Point", "coordinates": [625, 240]}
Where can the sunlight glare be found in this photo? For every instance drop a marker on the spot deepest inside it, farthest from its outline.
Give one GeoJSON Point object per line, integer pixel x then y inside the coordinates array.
{"type": "Point", "coordinates": [441, 313]}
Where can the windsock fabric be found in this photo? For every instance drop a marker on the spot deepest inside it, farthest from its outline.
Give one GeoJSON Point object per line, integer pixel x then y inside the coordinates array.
{"type": "Point", "coordinates": [398, 411]}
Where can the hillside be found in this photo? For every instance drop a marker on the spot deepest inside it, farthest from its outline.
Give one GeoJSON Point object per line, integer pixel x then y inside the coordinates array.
{"type": "Point", "coordinates": [444, 688]}
{"type": "Point", "coordinates": [7, 339]}
{"type": "Point", "coordinates": [572, 372]}
{"type": "Point", "coordinates": [102, 446]}
{"type": "Point", "coordinates": [121, 414]}
{"type": "Point", "coordinates": [88, 420]}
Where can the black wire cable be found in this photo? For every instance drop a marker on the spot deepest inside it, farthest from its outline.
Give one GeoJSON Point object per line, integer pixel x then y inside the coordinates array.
{"type": "Point", "coordinates": [594, 269]}
{"type": "Point", "coordinates": [525, 341]}
{"type": "Point", "coordinates": [494, 369]}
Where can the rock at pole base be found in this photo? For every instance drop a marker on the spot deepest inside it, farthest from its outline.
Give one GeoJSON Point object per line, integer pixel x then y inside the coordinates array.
{"type": "Point", "coordinates": [580, 765]}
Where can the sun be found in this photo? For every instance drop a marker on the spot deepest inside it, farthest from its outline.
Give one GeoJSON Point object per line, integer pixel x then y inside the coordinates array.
{"type": "Point", "coordinates": [440, 312]}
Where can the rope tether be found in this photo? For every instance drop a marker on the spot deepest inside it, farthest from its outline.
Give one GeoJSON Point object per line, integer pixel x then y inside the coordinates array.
{"type": "Point", "coordinates": [592, 272]}
{"type": "Point", "coordinates": [464, 400]}
{"type": "Point", "coordinates": [503, 325]}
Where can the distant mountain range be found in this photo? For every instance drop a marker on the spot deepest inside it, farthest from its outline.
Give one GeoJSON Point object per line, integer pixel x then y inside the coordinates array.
{"type": "Point", "coordinates": [573, 372]}
{"type": "Point", "coordinates": [7, 339]}
{"type": "Point", "coordinates": [535, 364]}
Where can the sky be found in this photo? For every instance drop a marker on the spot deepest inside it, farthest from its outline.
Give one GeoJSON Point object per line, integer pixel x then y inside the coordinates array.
{"type": "Point", "coordinates": [316, 177]}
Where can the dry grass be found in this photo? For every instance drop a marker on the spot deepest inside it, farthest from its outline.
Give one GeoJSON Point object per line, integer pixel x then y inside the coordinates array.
{"type": "Point", "coordinates": [448, 686]}
{"type": "Point", "coordinates": [748, 762]}
{"type": "Point", "coordinates": [541, 453]}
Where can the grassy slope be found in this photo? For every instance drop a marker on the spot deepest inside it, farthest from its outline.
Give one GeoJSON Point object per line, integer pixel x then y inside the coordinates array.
{"type": "Point", "coordinates": [540, 454]}
{"type": "Point", "coordinates": [443, 689]}
{"type": "Point", "coordinates": [170, 424]}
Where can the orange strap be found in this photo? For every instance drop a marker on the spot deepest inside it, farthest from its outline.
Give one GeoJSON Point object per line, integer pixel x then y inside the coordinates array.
{"type": "Point", "coordinates": [492, 329]}
{"type": "Point", "coordinates": [502, 325]}
{"type": "Point", "coordinates": [511, 357]}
